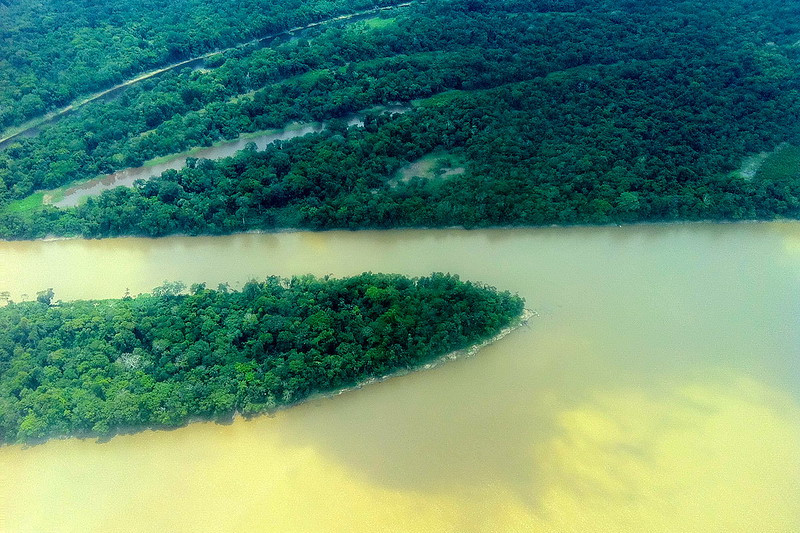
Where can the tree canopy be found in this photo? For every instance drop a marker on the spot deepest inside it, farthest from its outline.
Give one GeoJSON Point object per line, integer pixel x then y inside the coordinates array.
{"type": "Point", "coordinates": [94, 368]}
{"type": "Point", "coordinates": [54, 51]}
{"type": "Point", "coordinates": [559, 112]}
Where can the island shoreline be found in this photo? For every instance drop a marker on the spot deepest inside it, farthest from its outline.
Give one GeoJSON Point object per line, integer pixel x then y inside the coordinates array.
{"type": "Point", "coordinates": [464, 353]}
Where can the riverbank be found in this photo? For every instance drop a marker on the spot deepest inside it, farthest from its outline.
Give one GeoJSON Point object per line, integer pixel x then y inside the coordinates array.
{"type": "Point", "coordinates": [282, 341]}
{"type": "Point", "coordinates": [294, 230]}
{"type": "Point", "coordinates": [464, 353]}
{"type": "Point", "coordinates": [74, 193]}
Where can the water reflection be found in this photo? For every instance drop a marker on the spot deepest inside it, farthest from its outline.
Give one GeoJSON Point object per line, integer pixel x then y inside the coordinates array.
{"type": "Point", "coordinates": [714, 455]}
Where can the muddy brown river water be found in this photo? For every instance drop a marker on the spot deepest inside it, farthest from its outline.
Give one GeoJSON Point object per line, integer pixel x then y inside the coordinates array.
{"type": "Point", "coordinates": [657, 390]}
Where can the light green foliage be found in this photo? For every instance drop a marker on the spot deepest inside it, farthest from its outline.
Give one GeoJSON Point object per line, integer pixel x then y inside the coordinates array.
{"type": "Point", "coordinates": [436, 165]}
{"type": "Point", "coordinates": [782, 165]}
{"type": "Point", "coordinates": [96, 367]}
{"type": "Point", "coordinates": [380, 23]}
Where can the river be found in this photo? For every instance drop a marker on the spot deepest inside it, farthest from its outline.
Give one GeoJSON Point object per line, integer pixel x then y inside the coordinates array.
{"type": "Point", "coordinates": [657, 390]}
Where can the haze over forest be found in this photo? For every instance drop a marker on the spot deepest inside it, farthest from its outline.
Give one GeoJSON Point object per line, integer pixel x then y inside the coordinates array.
{"type": "Point", "coordinates": [517, 113]}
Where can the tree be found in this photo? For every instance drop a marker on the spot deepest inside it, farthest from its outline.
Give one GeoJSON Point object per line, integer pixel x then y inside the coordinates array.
{"type": "Point", "coordinates": [45, 297]}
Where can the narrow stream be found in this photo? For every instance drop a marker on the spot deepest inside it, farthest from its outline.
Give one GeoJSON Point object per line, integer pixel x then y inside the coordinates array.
{"type": "Point", "coordinates": [125, 178]}
{"type": "Point", "coordinates": [261, 42]}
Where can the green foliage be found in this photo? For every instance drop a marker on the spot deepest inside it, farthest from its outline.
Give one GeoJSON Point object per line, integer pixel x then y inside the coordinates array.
{"type": "Point", "coordinates": [92, 368]}
{"type": "Point", "coordinates": [781, 165]}
{"type": "Point", "coordinates": [54, 51]}
{"type": "Point", "coordinates": [341, 71]}
{"type": "Point", "coordinates": [562, 112]}
{"type": "Point", "coordinates": [45, 297]}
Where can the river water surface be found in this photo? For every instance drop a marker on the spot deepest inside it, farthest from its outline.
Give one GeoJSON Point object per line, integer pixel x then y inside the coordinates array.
{"type": "Point", "coordinates": [125, 178]}
{"type": "Point", "coordinates": [656, 391]}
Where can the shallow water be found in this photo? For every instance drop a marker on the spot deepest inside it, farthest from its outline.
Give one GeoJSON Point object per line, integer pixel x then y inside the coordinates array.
{"type": "Point", "coordinates": [656, 391]}
{"type": "Point", "coordinates": [125, 178]}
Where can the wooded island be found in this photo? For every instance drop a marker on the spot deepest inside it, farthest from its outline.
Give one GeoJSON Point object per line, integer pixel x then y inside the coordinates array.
{"type": "Point", "coordinates": [95, 368]}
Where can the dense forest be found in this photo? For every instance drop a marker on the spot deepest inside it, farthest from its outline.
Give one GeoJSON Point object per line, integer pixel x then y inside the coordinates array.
{"type": "Point", "coordinates": [55, 51]}
{"type": "Point", "coordinates": [93, 368]}
{"type": "Point", "coordinates": [558, 112]}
